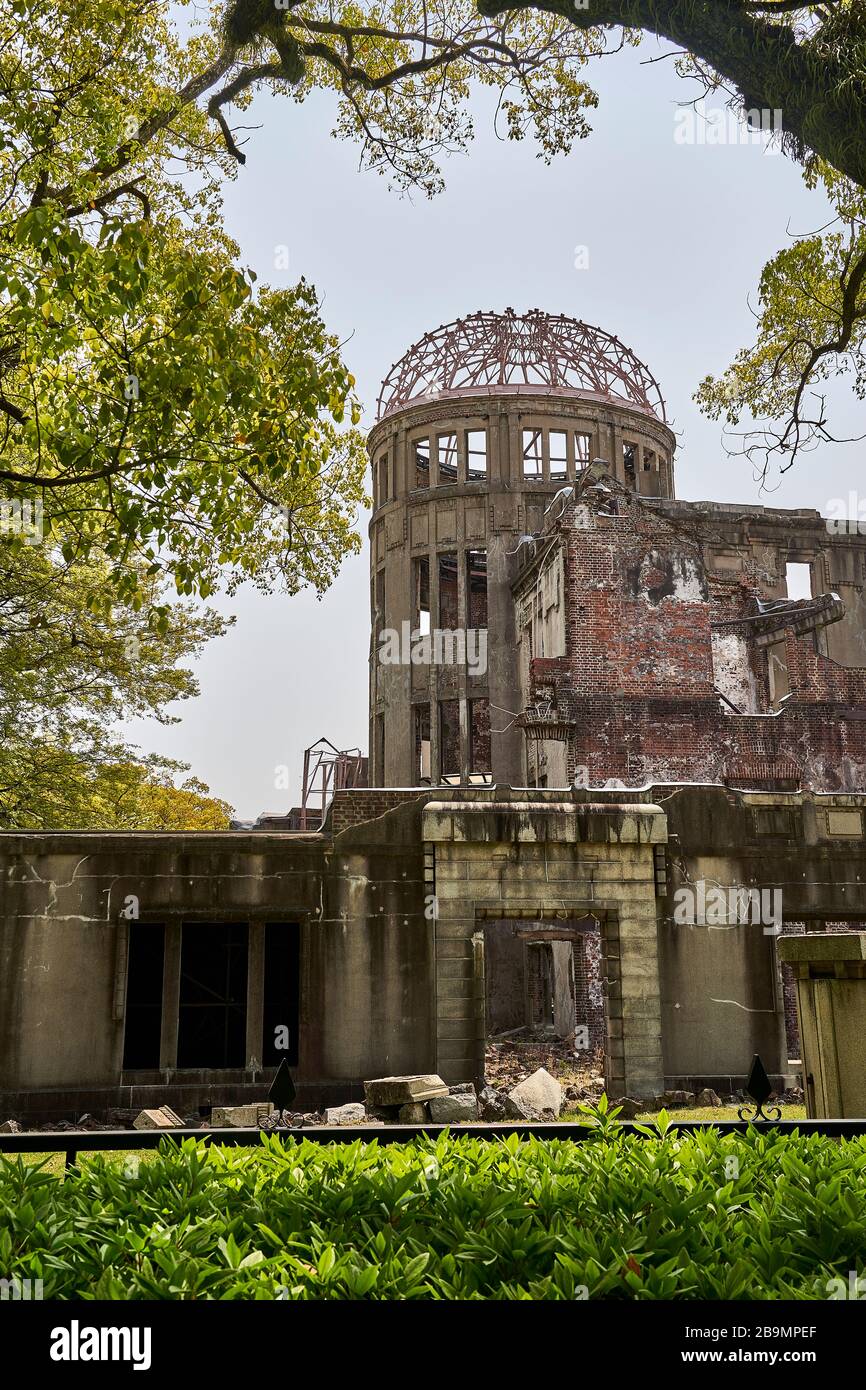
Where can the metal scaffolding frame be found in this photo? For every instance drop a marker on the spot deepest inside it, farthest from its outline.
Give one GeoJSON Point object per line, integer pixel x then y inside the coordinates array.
{"type": "Point", "coordinates": [536, 349]}
{"type": "Point", "coordinates": [327, 770]}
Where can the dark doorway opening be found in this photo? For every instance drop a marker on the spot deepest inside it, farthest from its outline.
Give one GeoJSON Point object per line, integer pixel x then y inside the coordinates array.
{"type": "Point", "coordinates": [212, 1024]}
{"type": "Point", "coordinates": [143, 1016]}
{"type": "Point", "coordinates": [281, 993]}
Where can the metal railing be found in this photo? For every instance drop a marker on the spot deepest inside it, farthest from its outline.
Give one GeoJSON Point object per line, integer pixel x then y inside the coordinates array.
{"type": "Point", "coordinates": [96, 1141]}
{"type": "Point", "coordinates": [282, 1094]}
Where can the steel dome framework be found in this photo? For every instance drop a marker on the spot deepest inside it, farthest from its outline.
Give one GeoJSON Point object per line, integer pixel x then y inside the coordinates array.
{"type": "Point", "coordinates": [538, 350]}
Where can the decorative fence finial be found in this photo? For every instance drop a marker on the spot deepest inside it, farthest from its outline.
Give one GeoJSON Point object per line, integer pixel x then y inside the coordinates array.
{"type": "Point", "coordinates": [759, 1088]}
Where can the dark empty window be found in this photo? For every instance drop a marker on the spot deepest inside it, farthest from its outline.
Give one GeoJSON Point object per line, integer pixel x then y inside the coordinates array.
{"type": "Point", "coordinates": [212, 1027]}
{"type": "Point", "coordinates": [479, 736]}
{"type": "Point", "coordinates": [476, 454]}
{"type": "Point", "coordinates": [281, 993]}
{"type": "Point", "coordinates": [649, 459]}
{"type": "Point", "coordinates": [422, 462]}
{"type": "Point", "coordinates": [448, 591]}
{"type": "Point", "coordinates": [380, 750]}
{"type": "Point", "coordinates": [449, 737]}
{"type": "Point", "coordinates": [476, 587]}
{"type": "Point", "coordinates": [629, 462]}
{"type": "Point", "coordinates": [143, 1020]}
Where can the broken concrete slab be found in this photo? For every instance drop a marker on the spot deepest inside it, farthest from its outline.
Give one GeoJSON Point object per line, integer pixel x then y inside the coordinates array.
{"type": "Point", "coordinates": [240, 1116]}
{"type": "Point", "coordinates": [707, 1097]}
{"type": "Point", "coordinates": [402, 1090]}
{"type": "Point", "coordinates": [163, 1118]}
{"type": "Point", "coordinates": [453, 1110]}
{"type": "Point", "coordinates": [351, 1114]}
{"type": "Point", "coordinates": [537, 1098]}
{"type": "Point", "coordinates": [10, 1127]}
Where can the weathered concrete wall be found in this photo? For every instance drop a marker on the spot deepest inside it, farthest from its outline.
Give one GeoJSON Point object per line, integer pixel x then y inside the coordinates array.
{"type": "Point", "coordinates": [722, 997]}
{"type": "Point", "coordinates": [366, 996]}
{"type": "Point", "coordinates": [386, 984]}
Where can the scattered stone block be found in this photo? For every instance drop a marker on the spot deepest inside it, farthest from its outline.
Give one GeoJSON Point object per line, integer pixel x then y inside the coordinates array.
{"type": "Point", "coordinates": [629, 1107]}
{"type": "Point", "coordinates": [10, 1127]}
{"type": "Point", "coordinates": [415, 1113]}
{"type": "Point", "coordinates": [402, 1090]}
{"type": "Point", "coordinates": [453, 1110]}
{"type": "Point", "coordinates": [463, 1088]}
{"type": "Point", "coordinates": [351, 1114]}
{"type": "Point", "coordinates": [707, 1097]}
{"type": "Point", "coordinates": [678, 1098]}
{"type": "Point", "coordinates": [240, 1116]}
{"type": "Point", "coordinates": [492, 1104]}
{"type": "Point", "coordinates": [539, 1097]}
{"type": "Point", "coordinates": [163, 1118]}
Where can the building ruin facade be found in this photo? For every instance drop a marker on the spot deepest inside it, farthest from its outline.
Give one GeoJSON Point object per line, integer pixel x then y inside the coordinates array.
{"type": "Point", "coordinates": [668, 724]}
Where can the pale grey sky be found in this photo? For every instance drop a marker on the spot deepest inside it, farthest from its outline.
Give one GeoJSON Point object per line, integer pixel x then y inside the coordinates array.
{"type": "Point", "coordinates": [676, 235]}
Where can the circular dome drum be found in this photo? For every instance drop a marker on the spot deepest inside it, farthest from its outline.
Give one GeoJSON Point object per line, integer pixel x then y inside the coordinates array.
{"type": "Point", "coordinates": [535, 350]}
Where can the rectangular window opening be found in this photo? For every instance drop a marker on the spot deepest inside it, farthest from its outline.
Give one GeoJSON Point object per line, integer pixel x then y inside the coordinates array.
{"type": "Point", "coordinates": [533, 459]}
{"type": "Point", "coordinates": [380, 750]}
{"type": "Point", "coordinates": [422, 595]}
{"type": "Point", "coordinates": [143, 1016]}
{"type": "Point", "coordinates": [476, 587]}
{"type": "Point", "coordinates": [422, 462]}
{"type": "Point", "coordinates": [582, 449]}
{"type": "Point", "coordinates": [281, 993]}
{"type": "Point", "coordinates": [798, 580]}
{"type": "Point", "coordinates": [212, 1024]}
{"type": "Point", "coordinates": [476, 454]}
{"type": "Point", "coordinates": [558, 454]}
{"type": "Point", "coordinates": [649, 460]}
{"type": "Point", "coordinates": [629, 462]}
{"type": "Point", "coordinates": [448, 591]}
{"type": "Point", "coordinates": [422, 743]}
{"type": "Point", "coordinates": [479, 738]}
{"type": "Point", "coordinates": [383, 479]}
{"type": "Point", "coordinates": [449, 737]}
{"type": "Point", "coordinates": [447, 451]}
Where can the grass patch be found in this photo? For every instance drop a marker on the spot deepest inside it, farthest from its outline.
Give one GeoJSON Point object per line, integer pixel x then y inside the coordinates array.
{"type": "Point", "coordinates": [723, 1112]}
{"type": "Point", "coordinates": [760, 1215]}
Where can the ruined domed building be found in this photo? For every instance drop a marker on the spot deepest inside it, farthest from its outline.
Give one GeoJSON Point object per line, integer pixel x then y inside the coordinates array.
{"type": "Point", "coordinates": [617, 746]}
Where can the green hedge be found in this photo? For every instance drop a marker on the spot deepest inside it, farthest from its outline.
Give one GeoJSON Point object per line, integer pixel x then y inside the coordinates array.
{"type": "Point", "coordinates": [708, 1215]}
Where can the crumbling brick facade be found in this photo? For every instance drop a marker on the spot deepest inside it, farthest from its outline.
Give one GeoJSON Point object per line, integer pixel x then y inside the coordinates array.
{"type": "Point", "coordinates": [674, 670]}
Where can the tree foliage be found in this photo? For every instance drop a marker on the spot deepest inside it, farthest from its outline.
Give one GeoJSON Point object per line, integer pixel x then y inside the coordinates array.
{"type": "Point", "coordinates": [163, 410]}
{"type": "Point", "coordinates": [70, 669]}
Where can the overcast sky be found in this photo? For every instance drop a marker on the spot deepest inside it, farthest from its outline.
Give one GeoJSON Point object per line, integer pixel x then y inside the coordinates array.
{"type": "Point", "coordinates": [676, 236]}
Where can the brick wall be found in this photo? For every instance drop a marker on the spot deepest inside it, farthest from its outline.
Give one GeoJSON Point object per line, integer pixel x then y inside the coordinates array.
{"type": "Point", "coordinates": [355, 806]}
{"type": "Point", "coordinates": [639, 684]}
